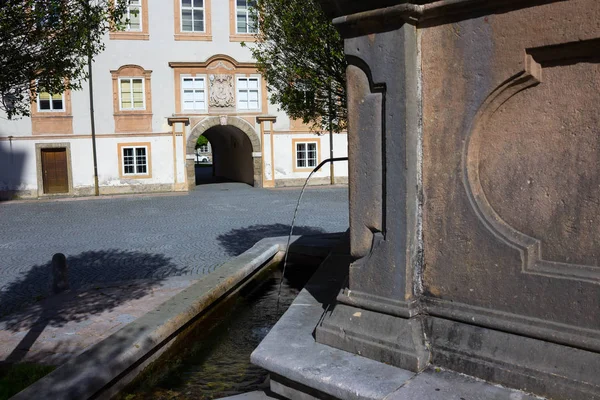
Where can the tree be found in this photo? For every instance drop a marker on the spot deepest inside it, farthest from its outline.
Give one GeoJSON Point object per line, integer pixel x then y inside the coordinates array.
{"type": "Point", "coordinates": [202, 141]}
{"type": "Point", "coordinates": [301, 56]}
{"type": "Point", "coordinates": [45, 44]}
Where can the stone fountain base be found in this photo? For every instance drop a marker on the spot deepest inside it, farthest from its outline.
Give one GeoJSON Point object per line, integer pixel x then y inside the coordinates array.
{"type": "Point", "coordinates": [301, 368]}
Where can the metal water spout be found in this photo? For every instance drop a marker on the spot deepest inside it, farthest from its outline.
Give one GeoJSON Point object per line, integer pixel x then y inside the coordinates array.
{"type": "Point", "coordinates": [287, 247]}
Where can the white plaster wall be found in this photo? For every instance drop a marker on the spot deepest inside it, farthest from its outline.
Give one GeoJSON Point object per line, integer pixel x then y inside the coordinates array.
{"type": "Point", "coordinates": [15, 127]}
{"type": "Point", "coordinates": [17, 165]}
{"type": "Point", "coordinates": [284, 157]}
{"type": "Point", "coordinates": [108, 161]}
{"type": "Point", "coordinates": [283, 121]}
{"type": "Point", "coordinates": [154, 54]}
{"type": "Point", "coordinates": [340, 149]}
{"type": "Point", "coordinates": [18, 170]}
{"type": "Point", "coordinates": [82, 161]}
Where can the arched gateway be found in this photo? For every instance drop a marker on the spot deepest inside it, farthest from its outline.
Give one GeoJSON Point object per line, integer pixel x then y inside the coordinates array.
{"type": "Point", "coordinates": [236, 149]}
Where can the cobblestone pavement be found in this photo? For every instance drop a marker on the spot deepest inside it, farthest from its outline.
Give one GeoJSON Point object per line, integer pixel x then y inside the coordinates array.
{"type": "Point", "coordinates": [110, 240]}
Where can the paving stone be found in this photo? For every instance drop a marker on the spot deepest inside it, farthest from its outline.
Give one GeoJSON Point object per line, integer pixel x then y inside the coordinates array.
{"type": "Point", "coordinates": [108, 240]}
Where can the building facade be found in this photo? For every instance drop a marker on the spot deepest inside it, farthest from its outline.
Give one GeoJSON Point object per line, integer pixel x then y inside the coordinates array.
{"type": "Point", "coordinates": [177, 72]}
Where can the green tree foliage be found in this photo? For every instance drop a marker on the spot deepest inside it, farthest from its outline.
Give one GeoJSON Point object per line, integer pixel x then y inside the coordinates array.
{"type": "Point", "coordinates": [301, 55]}
{"type": "Point", "coordinates": [202, 140]}
{"type": "Point", "coordinates": [44, 45]}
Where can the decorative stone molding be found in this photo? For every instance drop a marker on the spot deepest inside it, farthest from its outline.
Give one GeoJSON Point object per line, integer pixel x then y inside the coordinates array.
{"type": "Point", "coordinates": [530, 247]}
{"type": "Point", "coordinates": [209, 122]}
{"type": "Point", "coordinates": [54, 122]}
{"type": "Point", "coordinates": [220, 64]}
{"type": "Point", "coordinates": [132, 120]}
{"type": "Point", "coordinates": [364, 17]}
{"type": "Point", "coordinates": [221, 90]}
{"type": "Point", "coordinates": [200, 127]}
{"type": "Point", "coordinates": [135, 35]}
{"type": "Point", "coordinates": [219, 72]}
{"type": "Point", "coordinates": [39, 168]}
{"type": "Point", "coordinates": [193, 36]}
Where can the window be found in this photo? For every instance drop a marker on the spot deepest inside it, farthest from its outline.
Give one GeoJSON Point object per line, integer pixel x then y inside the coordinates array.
{"type": "Point", "coordinates": [247, 93]}
{"type": "Point", "coordinates": [192, 15]}
{"type": "Point", "coordinates": [245, 21]}
{"type": "Point", "coordinates": [135, 160]}
{"type": "Point", "coordinates": [131, 93]}
{"type": "Point", "coordinates": [194, 93]}
{"type": "Point", "coordinates": [51, 102]}
{"type": "Point", "coordinates": [306, 155]}
{"type": "Point", "coordinates": [203, 148]}
{"type": "Point", "coordinates": [304, 94]}
{"type": "Point", "coordinates": [51, 113]}
{"type": "Point", "coordinates": [134, 21]}
{"type": "Point", "coordinates": [133, 16]}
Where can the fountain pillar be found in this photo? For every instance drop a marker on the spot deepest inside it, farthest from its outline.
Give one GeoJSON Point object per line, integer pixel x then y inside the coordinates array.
{"type": "Point", "coordinates": [473, 137]}
{"type": "Point", "coordinates": [384, 186]}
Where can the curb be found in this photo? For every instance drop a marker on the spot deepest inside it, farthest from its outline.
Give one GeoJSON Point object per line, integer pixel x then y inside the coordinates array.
{"type": "Point", "coordinates": [102, 370]}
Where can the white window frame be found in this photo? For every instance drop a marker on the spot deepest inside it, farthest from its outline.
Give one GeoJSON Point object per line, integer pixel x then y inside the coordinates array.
{"type": "Point", "coordinates": [307, 166]}
{"type": "Point", "coordinates": [135, 164]}
{"type": "Point", "coordinates": [247, 12]}
{"type": "Point", "coordinates": [131, 78]}
{"type": "Point", "coordinates": [201, 77]}
{"type": "Point", "coordinates": [237, 91]}
{"type": "Point", "coordinates": [193, 9]}
{"type": "Point", "coordinates": [128, 13]}
{"type": "Point", "coordinates": [63, 109]}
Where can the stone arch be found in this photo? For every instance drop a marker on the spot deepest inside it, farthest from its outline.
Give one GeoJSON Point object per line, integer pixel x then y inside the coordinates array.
{"type": "Point", "coordinates": [229, 121]}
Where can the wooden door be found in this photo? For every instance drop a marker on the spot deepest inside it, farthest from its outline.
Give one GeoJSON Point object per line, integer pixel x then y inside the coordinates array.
{"type": "Point", "coordinates": [54, 170]}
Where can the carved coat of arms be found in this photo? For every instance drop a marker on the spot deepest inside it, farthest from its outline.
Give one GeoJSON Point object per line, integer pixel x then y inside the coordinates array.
{"type": "Point", "coordinates": [221, 91]}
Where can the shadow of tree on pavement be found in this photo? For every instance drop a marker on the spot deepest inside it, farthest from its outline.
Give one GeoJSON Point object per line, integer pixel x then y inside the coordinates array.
{"type": "Point", "coordinates": [116, 267]}
{"type": "Point", "coordinates": [236, 241]}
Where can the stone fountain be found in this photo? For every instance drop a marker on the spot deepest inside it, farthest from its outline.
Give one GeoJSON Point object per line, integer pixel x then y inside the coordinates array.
{"type": "Point", "coordinates": [474, 145]}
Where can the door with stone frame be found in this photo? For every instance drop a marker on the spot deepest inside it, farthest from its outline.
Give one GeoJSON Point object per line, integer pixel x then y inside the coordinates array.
{"type": "Point", "coordinates": [54, 170]}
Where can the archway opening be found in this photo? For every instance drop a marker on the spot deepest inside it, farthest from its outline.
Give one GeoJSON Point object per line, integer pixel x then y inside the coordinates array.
{"type": "Point", "coordinates": [231, 156]}
{"type": "Point", "coordinates": [236, 150]}
{"type": "Point", "coordinates": [203, 167]}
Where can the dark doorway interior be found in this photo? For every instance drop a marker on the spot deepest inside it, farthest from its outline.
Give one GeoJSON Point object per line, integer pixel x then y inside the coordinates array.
{"type": "Point", "coordinates": [231, 157]}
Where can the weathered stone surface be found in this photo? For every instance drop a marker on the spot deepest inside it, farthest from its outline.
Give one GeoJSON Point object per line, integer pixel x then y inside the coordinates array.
{"type": "Point", "coordinates": [302, 368]}
{"type": "Point", "coordinates": [250, 396]}
{"type": "Point", "coordinates": [290, 351]}
{"type": "Point", "coordinates": [525, 163]}
{"type": "Point", "coordinates": [476, 209]}
{"type": "Point", "coordinates": [383, 104]}
{"type": "Point", "coordinates": [435, 384]}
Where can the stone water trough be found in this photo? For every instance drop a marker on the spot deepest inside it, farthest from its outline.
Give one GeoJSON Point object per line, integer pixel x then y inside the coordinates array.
{"type": "Point", "coordinates": [107, 367]}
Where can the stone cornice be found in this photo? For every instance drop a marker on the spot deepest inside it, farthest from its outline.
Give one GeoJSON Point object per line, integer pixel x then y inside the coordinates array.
{"type": "Point", "coordinates": [432, 12]}
{"type": "Point", "coordinates": [215, 58]}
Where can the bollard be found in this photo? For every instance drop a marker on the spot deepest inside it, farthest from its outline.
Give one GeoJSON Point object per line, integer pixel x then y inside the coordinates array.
{"type": "Point", "coordinates": [60, 273]}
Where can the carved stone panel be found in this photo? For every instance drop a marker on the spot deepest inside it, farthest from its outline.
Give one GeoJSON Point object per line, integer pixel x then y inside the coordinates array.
{"type": "Point", "coordinates": [510, 155]}
{"type": "Point", "coordinates": [539, 171]}
{"type": "Point", "coordinates": [531, 162]}
{"type": "Point", "coordinates": [221, 91]}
